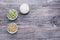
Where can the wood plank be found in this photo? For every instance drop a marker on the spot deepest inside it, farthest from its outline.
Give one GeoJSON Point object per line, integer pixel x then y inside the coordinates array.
{"type": "Point", "coordinates": [42, 22]}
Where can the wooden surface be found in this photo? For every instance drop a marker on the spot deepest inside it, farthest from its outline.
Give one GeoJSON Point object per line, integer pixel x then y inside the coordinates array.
{"type": "Point", "coordinates": [42, 22]}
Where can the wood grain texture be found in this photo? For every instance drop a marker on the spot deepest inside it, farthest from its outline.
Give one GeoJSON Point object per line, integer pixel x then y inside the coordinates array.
{"type": "Point", "coordinates": [42, 22]}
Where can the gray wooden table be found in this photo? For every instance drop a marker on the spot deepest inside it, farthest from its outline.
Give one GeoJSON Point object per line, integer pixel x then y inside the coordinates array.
{"type": "Point", "coordinates": [42, 22]}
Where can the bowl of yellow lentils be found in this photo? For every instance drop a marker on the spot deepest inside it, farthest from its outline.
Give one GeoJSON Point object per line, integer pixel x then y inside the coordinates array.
{"type": "Point", "coordinates": [12, 28]}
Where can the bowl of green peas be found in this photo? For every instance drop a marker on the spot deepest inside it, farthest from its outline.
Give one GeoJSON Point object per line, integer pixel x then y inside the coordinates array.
{"type": "Point", "coordinates": [12, 14]}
